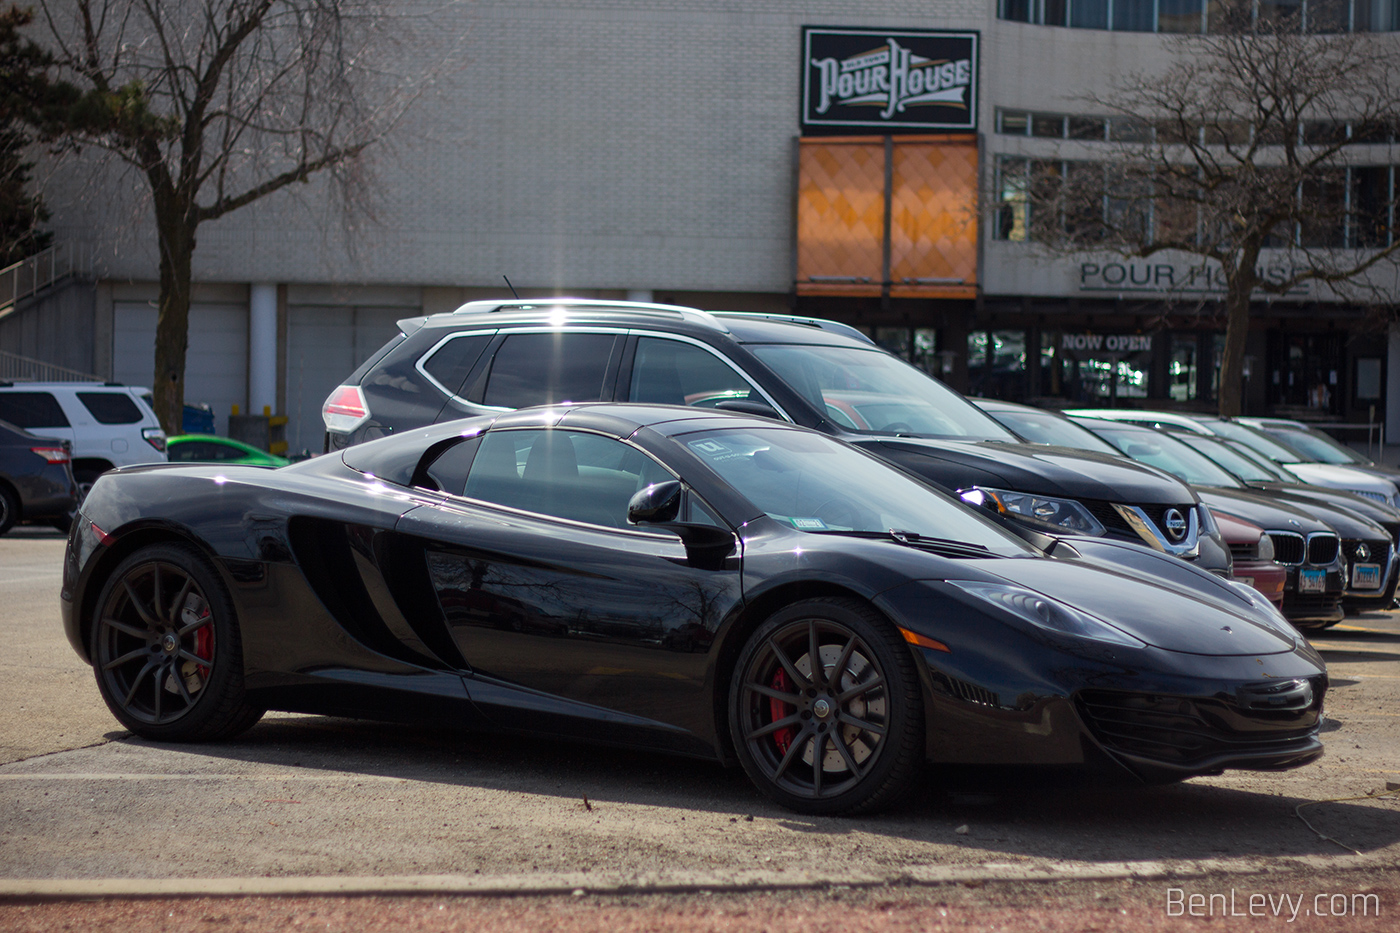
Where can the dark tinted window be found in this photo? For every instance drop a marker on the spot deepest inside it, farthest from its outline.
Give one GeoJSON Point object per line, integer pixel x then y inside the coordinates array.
{"type": "Point", "coordinates": [568, 474]}
{"type": "Point", "coordinates": [32, 410]}
{"type": "Point", "coordinates": [202, 451]}
{"type": "Point", "coordinates": [448, 472]}
{"type": "Point", "coordinates": [540, 369]}
{"type": "Point", "coordinates": [110, 407]}
{"type": "Point", "coordinates": [452, 361]}
{"type": "Point", "coordinates": [668, 372]}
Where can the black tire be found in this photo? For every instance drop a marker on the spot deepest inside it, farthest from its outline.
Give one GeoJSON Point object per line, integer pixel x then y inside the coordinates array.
{"type": "Point", "coordinates": [9, 509]}
{"type": "Point", "coordinates": [865, 712]}
{"type": "Point", "coordinates": [166, 648]}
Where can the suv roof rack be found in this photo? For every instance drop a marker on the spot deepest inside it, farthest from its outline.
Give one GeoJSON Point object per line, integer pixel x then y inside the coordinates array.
{"type": "Point", "coordinates": [634, 307]}
{"type": "Point", "coordinates": [836, 327]}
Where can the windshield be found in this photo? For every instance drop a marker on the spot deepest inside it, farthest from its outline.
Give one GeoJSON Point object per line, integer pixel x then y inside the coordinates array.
{"type": "Point", "coordinates": [1166, 453]}
{"type": "Point", "coordinates": [1256, 440]}
{"type": "Point", "coordinates": [1043, 427]}
{"type": "Point", "coordinates": [1321, 448]}
{"type": "Point", "coordinates": [1279, 471]}
{"type": "Point", "coordinates": [818, 484]}
{"type": "Point", "coordinates": [1232, 460]}
{"type": "Point", "coordinates": [872, 392]}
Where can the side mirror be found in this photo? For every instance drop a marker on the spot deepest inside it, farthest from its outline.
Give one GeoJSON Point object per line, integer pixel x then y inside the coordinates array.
{"type": "Point", "coordinates": [749, 406]}
{"type": "Point", "coordinates": [658, 503]}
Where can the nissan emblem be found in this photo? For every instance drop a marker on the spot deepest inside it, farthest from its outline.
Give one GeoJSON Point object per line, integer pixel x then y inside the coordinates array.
{"type": "Point", "coordinates": [1175, 523]}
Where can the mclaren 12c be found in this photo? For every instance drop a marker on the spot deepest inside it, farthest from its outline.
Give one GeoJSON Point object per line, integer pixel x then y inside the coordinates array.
{"type": "Point", "coordinates": [696, 582]}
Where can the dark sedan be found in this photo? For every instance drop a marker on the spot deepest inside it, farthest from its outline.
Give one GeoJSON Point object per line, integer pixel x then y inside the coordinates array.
{"type": "Point", "coordinates": [36, 479]}
{"type": "Point", "coordinates": [681, 580]}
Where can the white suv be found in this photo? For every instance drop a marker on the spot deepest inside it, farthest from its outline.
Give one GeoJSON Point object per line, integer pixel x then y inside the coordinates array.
{"type": "Point", "coordinates": [108, 425]}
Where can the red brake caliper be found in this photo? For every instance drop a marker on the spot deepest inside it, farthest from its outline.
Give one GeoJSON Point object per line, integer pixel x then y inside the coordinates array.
{"type": "Point", "coordinates": [780, 710]}
{"type": "Point", "coordinates": [203, 645]}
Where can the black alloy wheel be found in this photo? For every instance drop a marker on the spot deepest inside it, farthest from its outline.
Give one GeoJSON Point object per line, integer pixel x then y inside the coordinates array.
{"type": "Point", "coordinates": [825, 708]}
{"type": "Point", "coordinates": [9, 509]}
{"type": "Point", "coordinates": [166, 648]}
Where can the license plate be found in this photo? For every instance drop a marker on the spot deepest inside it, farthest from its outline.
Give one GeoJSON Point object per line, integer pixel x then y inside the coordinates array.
{"type": "Point", "coordinates": [1247, 581]}
{"type": "Point", "coordinates": [1312, 581]}
{"type": "Point", "coordinates": [1365, 576]}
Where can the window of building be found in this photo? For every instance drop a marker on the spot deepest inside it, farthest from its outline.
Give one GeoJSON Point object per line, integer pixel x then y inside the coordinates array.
{"type": "Point", "coordinates": [1048, 125]}
{"type": "Point", "coordinates": [1372, 211]}
{"type": "Point", "coordinates": [1194, 16]}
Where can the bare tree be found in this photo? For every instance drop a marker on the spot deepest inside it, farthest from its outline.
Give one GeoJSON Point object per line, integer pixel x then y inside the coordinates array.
{"type": "Point", "coordinates": [1258, 137]}
{"type": "Point", "coordinates": [219, 103]}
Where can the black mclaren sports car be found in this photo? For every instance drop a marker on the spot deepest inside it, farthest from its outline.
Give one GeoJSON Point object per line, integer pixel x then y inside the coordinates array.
{"type": "Point", "coordinates": [697, 582]}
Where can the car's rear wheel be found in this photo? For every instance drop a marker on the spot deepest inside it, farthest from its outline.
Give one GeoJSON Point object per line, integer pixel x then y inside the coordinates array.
{"type": "Point", "coordinates": [9, 509]}
{"type": "Point", "coordinates": [825, 708]}
{"type": "Point", "coordinates": [166, 648]}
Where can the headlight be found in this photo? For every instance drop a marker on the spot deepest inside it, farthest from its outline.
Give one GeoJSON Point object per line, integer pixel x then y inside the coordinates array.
{"type": "Point", "coordinates": [1046, 613]}
{"type": "Point", "coordinates": [1061, 516]}
{"type": "Point", "coordinates": [1266, 548]}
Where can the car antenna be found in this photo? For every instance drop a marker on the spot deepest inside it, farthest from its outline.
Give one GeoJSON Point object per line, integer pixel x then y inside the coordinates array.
{"type": "Point", "coordinates": [511, 287]}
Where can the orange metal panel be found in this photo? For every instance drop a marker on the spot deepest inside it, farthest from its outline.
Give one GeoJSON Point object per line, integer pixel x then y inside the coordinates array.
{"type": "Point", "coordinates": [840, 217]}
{"type": "Point", "coordinates": [933, 220]}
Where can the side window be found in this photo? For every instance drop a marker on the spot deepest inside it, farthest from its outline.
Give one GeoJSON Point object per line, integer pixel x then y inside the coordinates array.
{"type": "Point", "coordinates": [567, 474]}
{"type": "Point", "coordinates": [110, 407]}
{"type": "Point", "coordinates": [669, 372]}
{"type": "Point", "coordinates": [32, 410]}
{"type": "Point", "coordinates": [448, 473]}
{"type": "Point", "coordinates": [202, 452]}
{"type": "Point", "coordinates": [541, 369]}
{"type": "Point", "coordinates": [453, 361]}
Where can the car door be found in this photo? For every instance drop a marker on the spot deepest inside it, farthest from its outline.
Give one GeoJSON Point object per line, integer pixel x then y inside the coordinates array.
{"type": "Point", "coordinates": [570, 619]}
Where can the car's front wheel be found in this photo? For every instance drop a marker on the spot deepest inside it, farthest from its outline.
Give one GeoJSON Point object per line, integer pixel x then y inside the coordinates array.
{"type": "Point", "coordinates": [825, 708]}
{"type": "Point", "coordinates": [166, 648]}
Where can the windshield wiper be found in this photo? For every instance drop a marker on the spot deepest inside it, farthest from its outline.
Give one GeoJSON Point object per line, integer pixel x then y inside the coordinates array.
{"type": "Point", "coordinates": [945, 547]}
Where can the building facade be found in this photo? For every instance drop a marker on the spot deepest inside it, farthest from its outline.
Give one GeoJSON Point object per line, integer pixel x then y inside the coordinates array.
{"type": "Point", "coordinates": [847, 159]}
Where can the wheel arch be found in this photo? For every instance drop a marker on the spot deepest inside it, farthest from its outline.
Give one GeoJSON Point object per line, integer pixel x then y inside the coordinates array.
{"type": "Point", "coordinates": [99, 464]}
{"type": "Point", "coordinates": [753, 615]}
{"type": "Point", "coordinates": [127, 544]}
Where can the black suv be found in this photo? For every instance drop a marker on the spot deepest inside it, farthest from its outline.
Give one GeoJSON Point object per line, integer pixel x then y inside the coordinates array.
{"type": "Point", "coordinates": [492, 356]}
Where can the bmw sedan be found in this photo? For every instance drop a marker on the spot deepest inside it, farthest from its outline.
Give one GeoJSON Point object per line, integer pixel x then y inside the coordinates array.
{"type": "Point", "coordinates": [685, 581]}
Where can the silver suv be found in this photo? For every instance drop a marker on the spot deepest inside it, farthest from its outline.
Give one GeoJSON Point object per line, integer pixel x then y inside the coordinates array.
{"type": "Point", "coordinates": [108, 425]}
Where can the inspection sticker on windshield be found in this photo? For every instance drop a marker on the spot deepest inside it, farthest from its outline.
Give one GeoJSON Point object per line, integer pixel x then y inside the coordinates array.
{"type": "Point", "coordinates": [808, 524]}
{"type": "Point", "coordinates": [1312, 581]}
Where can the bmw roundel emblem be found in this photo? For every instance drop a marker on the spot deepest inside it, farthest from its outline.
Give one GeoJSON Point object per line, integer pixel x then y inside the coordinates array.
{"type": "Point", "coordinates": [1363, 552]}
{"type": "Point", "coordinates": [1175, 523]}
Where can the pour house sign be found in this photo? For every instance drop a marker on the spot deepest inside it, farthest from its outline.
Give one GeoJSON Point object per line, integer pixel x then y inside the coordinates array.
{"type": "Point", "coordinates": [888, 80]}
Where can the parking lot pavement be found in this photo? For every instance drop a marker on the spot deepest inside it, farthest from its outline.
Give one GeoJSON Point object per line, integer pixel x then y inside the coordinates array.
{"type": "Point", "coordinates": [305, 800]}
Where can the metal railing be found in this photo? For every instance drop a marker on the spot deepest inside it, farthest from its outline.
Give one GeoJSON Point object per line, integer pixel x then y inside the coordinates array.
{"type": "Point", "coordinates": [16, 368]}
{"type": "Point", "coordinates": [44, 268]}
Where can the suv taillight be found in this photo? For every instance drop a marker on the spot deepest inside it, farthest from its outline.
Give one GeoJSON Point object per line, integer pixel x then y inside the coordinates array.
{"type": "Point", "coordinates": [345, 410]}
{"type": "Point", "coordinates": [52, 454]}
{"type": "Point", "coordinates": [155, 437]}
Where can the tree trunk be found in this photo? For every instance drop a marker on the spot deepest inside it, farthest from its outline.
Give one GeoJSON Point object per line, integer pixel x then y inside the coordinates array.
{"type": "Point", "coordinates": [173, 318]}
{"type": "Point", "coordinates": [1239, 287]}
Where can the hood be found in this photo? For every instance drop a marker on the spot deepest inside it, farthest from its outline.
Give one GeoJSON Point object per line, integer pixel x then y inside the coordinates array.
{"type": "Point", "coordinates": [1311, 498]}
{"type": "Point", "coordinates": [1344, 477]}
{"type": "Point", "coordinates": [1186, 617]}
{"type": "Point", "coordinates": [1268, 513]}
{"type": "Point", "coordinates": [1052, 471]}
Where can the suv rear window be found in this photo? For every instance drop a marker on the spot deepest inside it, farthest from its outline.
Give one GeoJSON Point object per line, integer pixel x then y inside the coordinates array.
{"type": "Point", "coordinates": [111, 407]}
{"type": "Point", "coordinates": [541, 369]}
{"type": "Point", "coordinates": [32, 410]}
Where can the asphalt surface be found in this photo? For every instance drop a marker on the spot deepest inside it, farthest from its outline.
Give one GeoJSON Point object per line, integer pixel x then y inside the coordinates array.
{"type": "Point", "coordinates": [304, 805]}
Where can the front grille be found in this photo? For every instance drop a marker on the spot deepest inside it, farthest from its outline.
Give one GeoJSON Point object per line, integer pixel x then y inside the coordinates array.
{"type": "Point", "coordinates": [1379, 551]}
{"type": "Point", "coordinates": [1181, 730]}
{"type": "Point", "coordinates": [1392, 529]}
{"type": "Point", "coordinates": [1310, 603]}
{"type": "Point", "coordinates": [1322, 548]}
{"type": "Point", "coordinates": [1113, 522]}
{"type": "Point", "coordinates": [1244, 551]}
{"type": "Point", "coordinates": [1288, 547]}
